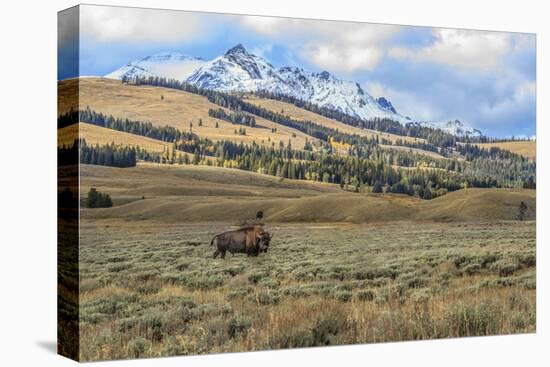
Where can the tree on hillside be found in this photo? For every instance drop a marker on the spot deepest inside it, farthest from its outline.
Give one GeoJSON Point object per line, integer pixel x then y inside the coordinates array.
{"type": "Point", "coordinates": [98, 199]}
{"type": "Point", "coordinates": [196, 158]}
{"type": "Point", "coordinates": [522, 210]}
{"type": "Point", "coordinates": [355, 183]}
{"type": "Point", "coordinates": [377, 187]}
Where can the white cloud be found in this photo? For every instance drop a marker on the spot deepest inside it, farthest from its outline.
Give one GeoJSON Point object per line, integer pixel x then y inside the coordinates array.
{"type": "Point", "coordinates": [527, 90]}
{"type": "Point", "coordinates": [263, 50]}
{"type": "Point", "coordinates": [523, 96]}
{"type": "Point", "coordinates": [347, 59]}
{"type": "Point", "coordinates": [104, 23]}
{"type": "Point", "coordinates": [336, 46]}
{"type": "Point", "coordinates": [376, 89]}
{"type": "Point", "coordinates": [463, 48]}
{"type": "Point", "coordinates": [408, 103]}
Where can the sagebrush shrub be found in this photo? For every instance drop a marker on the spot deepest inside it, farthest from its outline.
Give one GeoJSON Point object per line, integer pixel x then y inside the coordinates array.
{"type": "Point", "coordinates": [507, 269]}
{"type": "Point", "coordinates": [325, 330]}
{"type": "Point", "coordinates": [473, 319]}
{"type": "Point", "coordinates": [472, 269]}
{"type": "Point", "coordinates": [238, 325]}
{"type": "Point", "coordinates": [271, 298]}
{"type": "Point", "coordinates": [365, 295]}
{"type": "Point", "coordinates": [136, 347]}
{"type": "Point", "coordinates": [343, 296]}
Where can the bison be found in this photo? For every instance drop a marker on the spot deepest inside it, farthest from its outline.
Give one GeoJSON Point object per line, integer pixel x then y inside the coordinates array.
{"type": "Point", "coordinates": [248, 240]}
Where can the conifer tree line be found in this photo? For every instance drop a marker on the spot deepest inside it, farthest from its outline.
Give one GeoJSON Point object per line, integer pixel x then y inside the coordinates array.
{"type": "Point", "coordinates": [107, 155]}
{"type": "Point", "coordinates": [68, 118]}
{"type": "Point", "coordinates": [68, 155]}
{"type": "Point", "coordinates": [104, 155]}
{"type": "Point", "coordinates": [233, 117]}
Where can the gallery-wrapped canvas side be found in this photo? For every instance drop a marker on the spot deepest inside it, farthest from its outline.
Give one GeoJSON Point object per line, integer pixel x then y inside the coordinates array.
{"type": "Point", "coordinates": [68, 185]}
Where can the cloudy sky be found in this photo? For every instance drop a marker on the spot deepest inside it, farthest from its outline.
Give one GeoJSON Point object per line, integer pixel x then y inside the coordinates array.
{"type": "Point", "coordinates": [486, 79]}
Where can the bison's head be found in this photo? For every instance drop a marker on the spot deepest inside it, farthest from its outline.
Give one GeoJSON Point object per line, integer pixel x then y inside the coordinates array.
{"type": "Point", "coordinates": [263, 241]}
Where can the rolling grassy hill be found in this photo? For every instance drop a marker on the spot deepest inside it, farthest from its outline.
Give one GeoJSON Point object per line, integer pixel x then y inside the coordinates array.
{"type": "Point", "coordinates": [165, 106]}
{"type": "Point", "coordinates": [525, 148]}
{"type": "Point", "coordinates": [94, 134]}
{"type": "Point", "coordinates": [179, 109]}
{"type": "Point", "coordinates": [176, 108]}
{"type": "Point", "coordinates": [176, 194]}
{"type": "Point", "coordinates": [302, 114]}
{"type": "Point", "coordinates": [97, 135]}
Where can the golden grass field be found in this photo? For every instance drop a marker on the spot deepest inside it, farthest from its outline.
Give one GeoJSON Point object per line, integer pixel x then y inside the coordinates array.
{"type": "Point", "coordinates": [198, 193]}
{"type": "Point", "coordinates": [178, 109]}
{"type": "Point", "coordinates": [99, 135]}
{"type": "Point", "coordinates": [342, 267]}
{"type": "Point", "coordinates": [524, 148]}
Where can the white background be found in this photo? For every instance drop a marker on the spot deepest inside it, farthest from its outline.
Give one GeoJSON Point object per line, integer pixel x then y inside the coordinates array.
{"type": "Point", "coordinates": [28, 182]}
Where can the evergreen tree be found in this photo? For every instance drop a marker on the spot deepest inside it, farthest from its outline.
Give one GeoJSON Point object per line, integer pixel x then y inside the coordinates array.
{"type": "Point", "coordinates": [98, 199]}
{"type": "Point", "coordinates": [522, 210]}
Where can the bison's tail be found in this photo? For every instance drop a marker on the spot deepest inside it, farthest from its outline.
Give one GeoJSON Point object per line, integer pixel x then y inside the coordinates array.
{"type": "Point", "coordinates": [212, 241]}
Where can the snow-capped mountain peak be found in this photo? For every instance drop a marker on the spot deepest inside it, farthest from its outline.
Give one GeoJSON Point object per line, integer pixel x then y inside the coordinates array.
{"type": "Point", "coordinates": [236, 50]}
{"type": "Point", "coordinates": [239, 70]}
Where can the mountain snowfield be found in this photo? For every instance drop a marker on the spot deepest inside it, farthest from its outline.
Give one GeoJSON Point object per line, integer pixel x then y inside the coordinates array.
{"type": "Point", "coordinates": [455, 127]}
{"type": "Point", "coordinates": [169, 65]}
{"type": "Point", "coordinates": [239, 70]}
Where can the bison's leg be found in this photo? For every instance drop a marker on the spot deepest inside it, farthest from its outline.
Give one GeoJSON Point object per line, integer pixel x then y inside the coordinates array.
{"type": "Point", "coordinates": [216, 253]}
{"type": "Point", "coordinates": [223, 254]}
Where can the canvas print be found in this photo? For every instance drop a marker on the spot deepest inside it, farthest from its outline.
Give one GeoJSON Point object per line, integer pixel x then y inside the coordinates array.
{"type": "Point", "coordinates": [233, 183]}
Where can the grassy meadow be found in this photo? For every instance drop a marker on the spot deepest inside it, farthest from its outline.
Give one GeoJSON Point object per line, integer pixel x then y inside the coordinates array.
{"type": "Point", "coordinates": [149, 289]}
{"type": "Point", "coordinates": [374, 268]}
{"type": "Point", "coordinates": [526, 148]}
{"type": "Point", "coordinates": [176, 108]}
